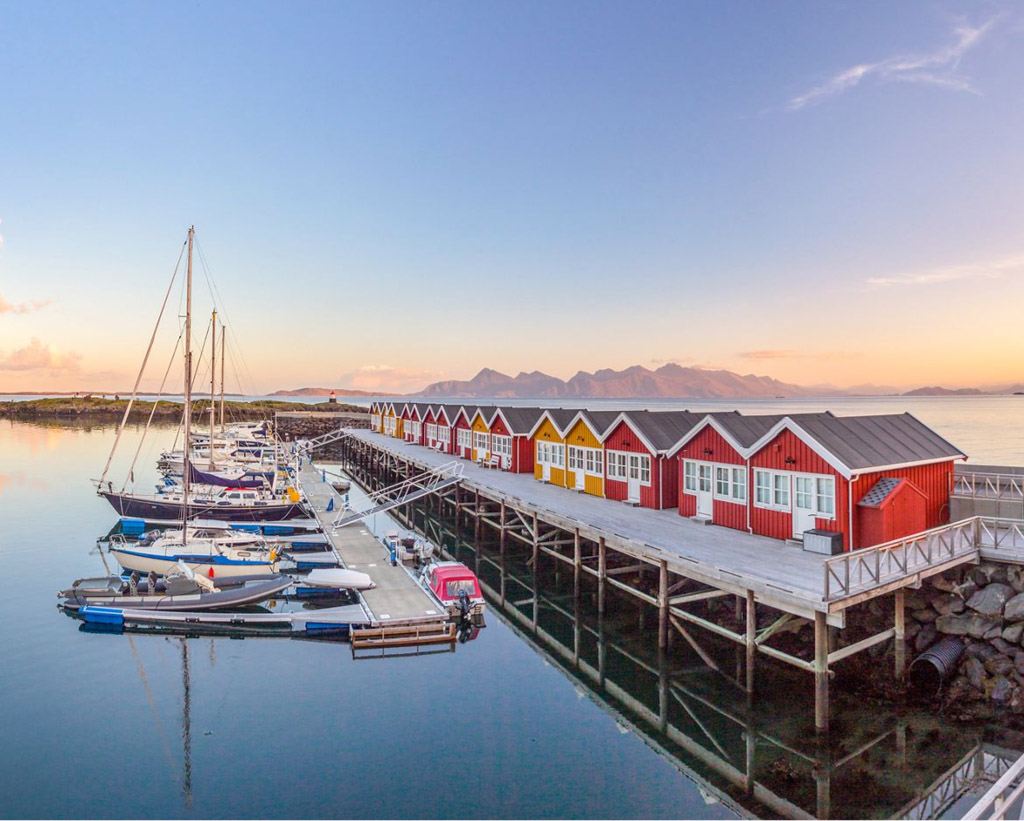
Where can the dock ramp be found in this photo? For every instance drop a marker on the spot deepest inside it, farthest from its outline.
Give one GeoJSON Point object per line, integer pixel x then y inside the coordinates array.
{"type": "Point", "coordinates": [413, 488]}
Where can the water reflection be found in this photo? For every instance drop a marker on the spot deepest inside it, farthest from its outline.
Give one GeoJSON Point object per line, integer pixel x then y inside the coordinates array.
{"type": "Point", "coordinates": [757, 755]}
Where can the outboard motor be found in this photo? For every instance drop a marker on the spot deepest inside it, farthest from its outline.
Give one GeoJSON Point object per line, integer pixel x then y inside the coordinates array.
{"type": "Point", "coordinates": [464, 605]}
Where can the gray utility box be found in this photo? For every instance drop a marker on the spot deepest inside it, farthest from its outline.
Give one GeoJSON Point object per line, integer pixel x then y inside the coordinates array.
{"type": "Point", "coordinates": [823, 541]}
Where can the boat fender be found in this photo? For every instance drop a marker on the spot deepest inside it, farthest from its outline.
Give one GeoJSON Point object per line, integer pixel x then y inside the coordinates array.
{"type": "Point", "coordinates": [211, 572]}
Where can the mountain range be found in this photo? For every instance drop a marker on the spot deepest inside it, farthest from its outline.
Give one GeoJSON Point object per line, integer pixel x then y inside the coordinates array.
{"type": "Point", "coordinates": [669, 380]}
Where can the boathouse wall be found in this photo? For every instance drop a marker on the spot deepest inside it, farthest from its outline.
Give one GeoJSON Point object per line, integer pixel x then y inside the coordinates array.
{"type": "Point", "coordinates": [522, 446]}
{"type": "Point", "coordinates": [623, 438]}
{"type": "Point", "coordinates": [547, 432]}
{"type": "Point", "coordinates": [581, 435]}
{"type": "Point", "coordinates": [710, 447]}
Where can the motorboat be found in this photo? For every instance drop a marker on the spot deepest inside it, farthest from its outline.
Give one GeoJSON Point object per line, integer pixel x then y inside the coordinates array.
{"type": "Point", "coordinates": [213, 556]}
{"type": "Point", "coordinates": [455, 587]}
{"type": "Point", "coordinates": [182, 589]}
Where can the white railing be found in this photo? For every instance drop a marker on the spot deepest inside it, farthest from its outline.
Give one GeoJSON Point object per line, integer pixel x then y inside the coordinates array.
{"type": "Point", "coordinates": [1002, 797]}
{"type": "Point", "coordinates": [408, 490]}
{"type": "Point", "coordinates": [871, 567]}
{"type": "Point", "coordinates": [999, 486]}
{"type": "Point", "coordinates": [1000, 534]}
{"type": "Point", "coordinates": [308, 445]}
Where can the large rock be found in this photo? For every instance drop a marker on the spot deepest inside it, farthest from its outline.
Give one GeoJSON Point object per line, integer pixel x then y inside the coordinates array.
{"type": "Point", "coordinates": [1004, 646]}
{"type": "Point", "coordinates": [1015, 578]}
{"type": "Point", "coordinates": [946, 603]}
{"type": "Point", "coordinates": [975, 672]}
{"type": "Point", "coordinates": [990, 600]}
{"type": "Point", "coordinates": [1002, 689]}
{"type": "Point", "coordinates": [940, 582]}
{"type": "Point", "coordinates": [1014, 608]}
{"type": "Point", "coordinates": [1013, 633]}
{"type": "Point", "coordinates": [965, 590]}
{"type": "Point", "coordinates": [999, 666]}
{"type": "Point", "coordinates": [980, 650]}
{"type": "Point", "coordinates": [1018, 661]}
{"type": "Point", "coordinates": [926, 638]}
{"type": "Point", "coordinates": [925, 615]}
{"type": "Point", "coordinates": [967, 624]}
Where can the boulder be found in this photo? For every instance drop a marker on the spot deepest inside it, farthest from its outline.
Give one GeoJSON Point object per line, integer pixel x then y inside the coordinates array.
{"type": "Point", "coordinates": [926, 638]}
{"type": "Point", "coordinates": [946, 603]}
{"type": "Point", "coordinates": [1013, 633]}
{"type": "Point", "coordinates": [978, 576]}
{"type": "Point", "coordinates": [990, 600]}
{"type": "Point", "coordinates": [999, 666]}
{"type": "Point", "coordinates": [941, 582]}
{"type": "Point", "coordinates": [980, 650]}
{"type": "Point", "coordinates": [1003, 646]}
{"type": "Point", "coordinates": [965, 590]}
{"type": "Point", "coordinates": [967, 624]}
{"type": "Point", "coordinates": [911, 630]}
{"type": "Point", "coordinates": [1014, 608]}
{"type": "Point", "coordinates": [1002, 689]}
{"type": "Point", "coordinates": [1018, 661]}
{"type": "Point", "coordinates": [1015, 578]}
{"type": "Point", "coordinates": [915, 599]}
{"type": "Point", "coordinates": [974, 670]}
{"type": "Point", "coordinates": [994, 632]}
{"type": "Point", "coordinates": [924, 616]}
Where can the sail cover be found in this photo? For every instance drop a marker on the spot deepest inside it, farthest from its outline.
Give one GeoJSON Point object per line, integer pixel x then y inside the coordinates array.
{"type": "Point", "coordinates": [198, 477]}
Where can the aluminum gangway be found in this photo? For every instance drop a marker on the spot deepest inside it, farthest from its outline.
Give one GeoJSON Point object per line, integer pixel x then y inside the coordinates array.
{"type": "Point", "coordinates": [306, 446]}
{"type": "Point", "coordinates": [409, 490]}
{"type": "Point", "coordinates": [1004, 799]}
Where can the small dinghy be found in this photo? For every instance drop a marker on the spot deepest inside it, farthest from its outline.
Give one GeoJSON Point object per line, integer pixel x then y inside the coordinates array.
{"type": "Point", "coordinates": [338, 578]}
{"type": "Point", "coordinates": [181, 590]}
{"type": "Point", "coordinates": [341, 485]}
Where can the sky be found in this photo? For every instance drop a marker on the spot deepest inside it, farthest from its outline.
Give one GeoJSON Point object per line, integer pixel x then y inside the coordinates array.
{"type": "Point", "coordinates": [387, 194]}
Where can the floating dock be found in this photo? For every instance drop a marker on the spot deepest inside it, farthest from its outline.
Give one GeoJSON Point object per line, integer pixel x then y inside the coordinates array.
{"type": "Point", "coordinates": [401, 612]}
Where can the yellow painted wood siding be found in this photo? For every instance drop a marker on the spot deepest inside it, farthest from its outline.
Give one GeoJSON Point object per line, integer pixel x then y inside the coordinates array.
{"type": "Point", "coordinates": [548, 433]}
{"type": "Point", "coordinates": [581, 436]}
{"type": "Point", "coordinates": [480, 426]}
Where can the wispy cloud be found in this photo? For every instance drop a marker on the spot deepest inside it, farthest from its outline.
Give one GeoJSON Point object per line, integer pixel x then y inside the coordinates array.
{"type": "Point", "coordinates": [789, 353]}
{"type": "Point", "coordinates": [387, 378]}
{"type": "Point", "coordinates": [39, 357]}
{"type": "Point", "coordinates": [939, 68]}
{"type": "Point", "coordinates": [932, 276]}
{"type": "Point", "coordinates": [22, 307]}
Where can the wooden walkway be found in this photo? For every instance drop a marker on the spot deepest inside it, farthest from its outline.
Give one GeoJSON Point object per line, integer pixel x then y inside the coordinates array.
{"type": "Point", "coordinates": [397, 598]}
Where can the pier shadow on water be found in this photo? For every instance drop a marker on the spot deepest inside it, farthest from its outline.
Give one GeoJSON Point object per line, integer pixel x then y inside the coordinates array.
{"type": "Point", "coordinates": [757, 755]}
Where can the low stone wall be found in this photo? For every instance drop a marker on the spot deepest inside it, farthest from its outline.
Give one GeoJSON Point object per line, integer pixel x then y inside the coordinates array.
{"type": "Point", "coordinates": [984, 605]}
{"type": "Point", "coordinates": [292, 426]}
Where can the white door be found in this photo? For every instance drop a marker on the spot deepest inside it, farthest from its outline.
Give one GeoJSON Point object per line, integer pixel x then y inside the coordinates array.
{"type": "Point", "coordinates": [705, 498]}
{"type": "Point", "coordinates": [804, 512]}
{"type": "Point", "coordinates": [581, 479]}
{"type": "Point", "coordinates": [633, 482]}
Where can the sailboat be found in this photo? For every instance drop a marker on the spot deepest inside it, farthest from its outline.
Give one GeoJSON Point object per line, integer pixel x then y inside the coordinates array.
{"type": "Point", "coordinates": [225, 503]}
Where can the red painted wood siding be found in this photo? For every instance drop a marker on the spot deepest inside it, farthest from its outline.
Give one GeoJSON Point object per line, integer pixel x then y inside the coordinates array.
{"type": "Point", "coordinates": [663, 472]}
{"type": "Point", "coordinates": [710, 439]}
{"type": "Point", "coordinates": [462, 424]}
{"type": "Point", "coordinates": [522, 447]}
{"type": "Point", "coordinates": [934, 481]}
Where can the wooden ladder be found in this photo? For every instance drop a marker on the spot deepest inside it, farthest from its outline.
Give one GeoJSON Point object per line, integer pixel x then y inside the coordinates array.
{"type": "Point", "coordinates": [403, 635]}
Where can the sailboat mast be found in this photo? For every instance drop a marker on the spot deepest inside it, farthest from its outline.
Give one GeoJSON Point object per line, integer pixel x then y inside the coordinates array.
{"type": "Point", "coordinates": [223, 350]}
{"type": "Point", "coordinates": [186, 461]}
{"type": "Point", "coordinates": [213, 383]}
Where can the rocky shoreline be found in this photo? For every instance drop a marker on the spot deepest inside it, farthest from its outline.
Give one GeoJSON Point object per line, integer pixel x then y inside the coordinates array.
{"type": "Point", "coordinates": [99, 407]}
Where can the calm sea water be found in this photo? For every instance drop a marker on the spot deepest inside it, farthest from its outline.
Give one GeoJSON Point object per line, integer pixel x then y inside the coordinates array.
{"type": "Point", "coordinates": [100, 725]}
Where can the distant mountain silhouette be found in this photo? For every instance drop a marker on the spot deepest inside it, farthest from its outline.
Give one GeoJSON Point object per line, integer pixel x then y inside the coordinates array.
{"type": "Point", "coordinates": [327, 392]}
{"type": "Point", "coordinates": [668, 381]}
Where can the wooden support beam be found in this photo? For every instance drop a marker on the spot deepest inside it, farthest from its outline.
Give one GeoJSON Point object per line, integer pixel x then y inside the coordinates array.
{"type": "Point", "coordinates": [774, 627]}
{"type": "Point", "coordinates": [652, 600]}
{"type": "Point", "coordinates": [900, 634]}
{"type": "Point", "coordinates": [808, 666]}
{"type": "Point", "coordinates": [663, 605]}
{"type": "Point", "coordinates": [710, 662]}
{"type": "Point", "coordinates": [821, 706]}
{"type": "Point", "coordinates": [631, 568]}
{"type": "Point", "coordinates": [863, 644]}
{"type": "Point", "coordinates": [701, 596]}
{"type": "Point", "coordinates": [751, 642]}
{"type": "Point", "coordinates": [707, 625]}
{"type": "Point", "coordinates": [602, 575]}
{"type": "Point", "coordinates": [577, 563]}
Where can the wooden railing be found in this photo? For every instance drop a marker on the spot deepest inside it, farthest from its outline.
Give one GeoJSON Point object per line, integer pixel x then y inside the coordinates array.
{"type": "Point", "coordinates": [998, 486]}
{"type": "Point", "coordinates": [870, 567]}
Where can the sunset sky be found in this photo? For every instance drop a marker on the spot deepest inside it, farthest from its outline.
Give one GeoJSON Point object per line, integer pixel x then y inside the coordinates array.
{"type": "Point", "coordinates": [391, 193]}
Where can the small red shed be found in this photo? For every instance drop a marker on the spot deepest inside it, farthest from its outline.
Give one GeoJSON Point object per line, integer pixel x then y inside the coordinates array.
{"type": "Point", "coordinates": [891, 509]}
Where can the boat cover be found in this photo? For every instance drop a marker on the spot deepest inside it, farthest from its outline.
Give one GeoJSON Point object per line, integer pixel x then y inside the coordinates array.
{"type": "Point", "coordinates": [200, 477]}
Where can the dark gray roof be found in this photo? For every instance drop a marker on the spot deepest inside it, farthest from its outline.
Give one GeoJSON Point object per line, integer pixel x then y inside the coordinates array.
{"type": "Point", "coordinates": [451, 411]}
{"type": "Point", "coordinates": [486, 410]}
{"type": "Point", "coordinates": [879, 492]}
{"type": "Point", "coordinates": [520, 420]}
{"type": "Point", "coordinates": [865, 442]}
{"type": "Point", "coordinates": [745, 429]}
{"type": "Point", "coordinates": [599, 420]}
{"type": "Point", "coordinates": [663, 429]}
{"type": "Point", "coordinates": [562, 416]}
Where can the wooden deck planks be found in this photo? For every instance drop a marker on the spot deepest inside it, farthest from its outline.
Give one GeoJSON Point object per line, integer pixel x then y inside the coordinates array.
{"type": "Point", "coordinates": [397, 597]}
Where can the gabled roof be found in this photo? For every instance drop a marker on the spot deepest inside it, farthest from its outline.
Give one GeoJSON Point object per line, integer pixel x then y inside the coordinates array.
{"type": "Point", "coordinates": [519, 421]}
{"type": "Point", "coordinates": [658, 430]}
{"type": "Point", "coordinates": [449, 411]}
{"type": "Point", "coordinates": [464, 410]}
{"type": "Point", "coordinates": [485, 412]}
{"type": "Point", "coordinates": [598, 421]}
{"type": "Point", "coordinates": [865, 444]}
{"type": "Point", "coordinates": [559, 417]}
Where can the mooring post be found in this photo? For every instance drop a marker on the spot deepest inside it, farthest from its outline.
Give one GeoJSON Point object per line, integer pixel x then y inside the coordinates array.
{"type": "Point", "coordinates": [501, 532]}
{"type": "Point", "coordinates": [577, 563]}
{"type": "Point", "coordinates": [476, 507]}
{"type": "Point", "coordinates": [820, 672]}
{"type": "Point", "coordinates": [751, 620]}
{"type": "Point", "coordinates": [602, 574]}
{"type": "Point", "coordinates": [663, 605]}
{"type": "Point", "coordinates": [899, 623]}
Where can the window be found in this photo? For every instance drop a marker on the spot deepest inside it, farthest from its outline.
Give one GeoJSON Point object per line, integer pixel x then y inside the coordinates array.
{"type": "Point", "coordinates": [805, 492]}
{"type": "Point", "coordinates": [444, 433]}
{"type": "Point", "coordinates": [617, 465]}
{"type": "Point", "coordinates": [594, 462]}
{"type": "Point", "coordinates": [780, 489]}
{"type": "Point", "coordinates": [826, 492]}
{"type": "Point", "coordinates": [704, 478]}
{"type": "Point", "coordinates": [722, 483]}
{"type": "Point", "coordinates": [575, 458]}
{"type": "Point", "coordinates": [739, 484]}
{"type": "Point", "coordinates": [690, 476]}
{"type": "Point", "coordinates": [480, 440]}
{"type": "Point", "coordinates": [501, 445]}
{"type": "Point", "coordinates": [462, 438]}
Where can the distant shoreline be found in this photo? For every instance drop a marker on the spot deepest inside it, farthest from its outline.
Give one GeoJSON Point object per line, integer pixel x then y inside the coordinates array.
{"type": "Point", "coordinates": [88, 406]}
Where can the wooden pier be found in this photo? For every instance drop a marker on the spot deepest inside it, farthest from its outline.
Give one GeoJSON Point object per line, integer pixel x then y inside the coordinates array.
{"type": "Point", "coordinates": [401, 613]}
{"type": "Point", "coordinates": [674, 564]}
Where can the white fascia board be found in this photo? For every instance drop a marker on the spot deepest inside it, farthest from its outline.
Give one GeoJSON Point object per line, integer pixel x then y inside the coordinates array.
{"type": "Point", "coordinates": [901, 465]}
{"type": "Point", "coordinates": [581, 416]}
{"type": "Point", "coordinates": [623, 417]}
{"type": "Point", "coordinates": [703, 423]}
{"type": "Point", "coordinates": [540, 421]}
{"type": "Point", "coordinates": [786, 423]}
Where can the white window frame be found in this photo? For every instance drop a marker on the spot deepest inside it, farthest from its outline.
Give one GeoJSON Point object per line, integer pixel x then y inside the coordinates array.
{"type": "Point", "coordinates": [501, 445]}
{"type": "Point", "coordinates": [593, 461]}
{"type": "Point", "coordinates": [481, 441]}
{"type": "Point", "coordinates": [444, 434]}
{"type": "Point", "coordinates": [619, 467]}
{"type": "Point", "coordinates": [822, 493]}
{"type": "Point", "coordinates": [739, 484]}
{"type": "Point", "coordinates": [690, 477]}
